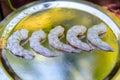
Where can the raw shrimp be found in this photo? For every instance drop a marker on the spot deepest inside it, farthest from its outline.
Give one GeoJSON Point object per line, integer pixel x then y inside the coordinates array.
{"type": "Point", "coordinates": [14, 46]}
{"type": "Point", "coordinates": [73, 36]}
{"type": "Point", "coordinates": [54, 41]}
{"type": "Point", "coordinates": [35, 43]}
{"type": "Point", "coordinates": [94, 38]}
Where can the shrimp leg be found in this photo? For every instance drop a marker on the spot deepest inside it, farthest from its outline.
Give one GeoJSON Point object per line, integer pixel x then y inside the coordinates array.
{"type": "Point", "coordinates": [54, 41]}
{"type": "Point", "coordinates": [94, 38]}
{"type": "Point", "coordinates": [35, 43]}
{"type": "Point", "coordinates": [73, 36]}
{"type": "Point", "coordinates": [14, 46]}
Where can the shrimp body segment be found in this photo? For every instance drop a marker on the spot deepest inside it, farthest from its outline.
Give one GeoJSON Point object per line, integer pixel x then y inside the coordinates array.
{"type": "Point", "coordinates": [14, 46]}
{"type": "Point", "coordinates": [94, 38]}
{"type": "Point", "coordinates": [55, 42]}
{"type": "Point", "coordinates": [35, 43]}
{"type": "Point", "coordinates": [73, 36]}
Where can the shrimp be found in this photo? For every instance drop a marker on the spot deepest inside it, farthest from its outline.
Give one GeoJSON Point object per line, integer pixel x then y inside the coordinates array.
{"type": "Point", "coordinates": [73, 36]}
{"type": "Point", "coordinates": [53, 38]}
{"type": "Point", "coordinates": [35, 43]}
{"type": "Point", "coordinates": [14, 46]}
{"type": "Point", "coordinates": [94, 38]}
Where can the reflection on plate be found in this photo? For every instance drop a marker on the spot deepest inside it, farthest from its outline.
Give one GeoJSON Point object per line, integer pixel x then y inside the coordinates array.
{"type": "Point", "coordinates": [93, 65]}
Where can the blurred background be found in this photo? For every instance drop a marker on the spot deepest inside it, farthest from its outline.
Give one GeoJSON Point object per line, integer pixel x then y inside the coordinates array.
{"type": "Point", "coordinates": [7, 6]}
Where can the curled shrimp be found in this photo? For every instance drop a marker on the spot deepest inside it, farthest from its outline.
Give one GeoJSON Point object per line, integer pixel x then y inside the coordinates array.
{"type": "Point", "coordinates": [73, 36]}
{"type": "Point", "coordinates": [54, 41]}
{"type": "Point", "coordinates": [14, 46]}
{"type": "Point", "coordinates": [35, 43]}
{"type": "Point", "coordinates": [94, 38]}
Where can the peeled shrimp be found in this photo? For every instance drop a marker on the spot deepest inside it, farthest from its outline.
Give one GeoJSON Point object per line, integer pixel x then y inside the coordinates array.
{"type": "Point", "coordinates": [73, 36]}
{"type": "Point", "coordinates": [54, 41]}
{"type": "Point", "coordinates": [94, 38]}
{"type": "Point", "coordinates": [35, 43]}
{"type": "Point", "coordinates": [14, 46]}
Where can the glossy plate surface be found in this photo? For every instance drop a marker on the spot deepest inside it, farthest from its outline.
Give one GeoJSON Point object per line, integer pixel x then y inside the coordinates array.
{"type": "Point", "coordinates": [94, 65]}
